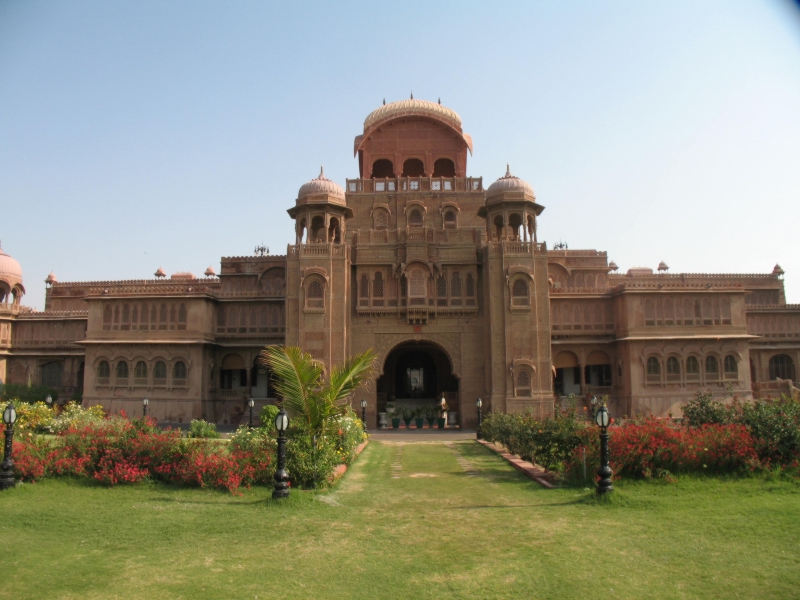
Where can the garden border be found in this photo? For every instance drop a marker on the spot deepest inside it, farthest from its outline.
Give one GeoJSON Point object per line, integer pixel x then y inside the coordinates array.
{"type": "Point", "coordinates": [342, 468]}
{"type": "Point", "coordinates": [530, 470]}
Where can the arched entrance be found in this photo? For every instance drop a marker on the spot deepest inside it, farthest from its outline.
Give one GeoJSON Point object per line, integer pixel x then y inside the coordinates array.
{"type": "Point", "coordinates": [415, 375]}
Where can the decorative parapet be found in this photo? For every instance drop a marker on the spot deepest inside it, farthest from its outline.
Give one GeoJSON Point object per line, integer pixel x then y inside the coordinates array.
{"type": "Point", "coordinates": [681, 276]}
{"type": "Point", "coordinates": [577, 253]}
{"type": "Point", "coordinates": [333, 250]}
{"type": "Point", "coordinates": [55, 314]}
{"type": "Point", "coordinates": [415, 184]}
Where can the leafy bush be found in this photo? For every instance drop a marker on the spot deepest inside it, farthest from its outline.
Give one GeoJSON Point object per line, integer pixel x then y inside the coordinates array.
{"type": "Point", "coordinates": [704, 410]}
{"type": "Point", "coordinates": [310, 462]}
{"type": "Point", "coordinates": [548, 442]}
{"type": "Point", "coordinates": [349, 437]}
{"type": "Point", "coordinates": [73, 415]}
{"type": "Point", "coordinates": [775, 426]}
{"type": "Point", "coordinates": [24, 393]}
{"type": "Point", "coordinates": [199, 428]}
{"type": "Point", "coordinates": [37, 417]}
{"type": "Point", "coordinates": [256, 448]}
{"type": "Point", "coordinates": [267, 416]}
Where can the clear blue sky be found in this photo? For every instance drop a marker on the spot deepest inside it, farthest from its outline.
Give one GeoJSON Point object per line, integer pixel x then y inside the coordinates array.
{"type": "Point", "coordinates": [142, 134]}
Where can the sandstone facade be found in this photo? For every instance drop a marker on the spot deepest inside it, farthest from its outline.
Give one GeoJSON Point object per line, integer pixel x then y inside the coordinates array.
{"type": "Point", "coordinates": [444, 278]}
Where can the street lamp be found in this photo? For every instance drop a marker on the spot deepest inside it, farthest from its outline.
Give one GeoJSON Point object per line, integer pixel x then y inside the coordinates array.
{"type": "Point", "coordinates": [364, 413]}
{"type": "Point", "coordinates": [251, 403]}
{"type": "Point", "coordinates": [7, 467]}
{"type": "Point", "coordinates": [442, 404]}
{"type": "Point", "coordinates": [281, 488]}
{"type": "Point", "coordinates": [479, 403]}
{"type": "Point", "coordinates": [604, 472]}
{"type": "Point", "coordinates": [145, 402]}
{"type": "Point", "coordinates": [49, 401]}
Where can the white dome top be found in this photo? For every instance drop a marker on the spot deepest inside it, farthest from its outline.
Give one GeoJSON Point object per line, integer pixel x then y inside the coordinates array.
{"type": "Point", "coordinates": [322, 185]}
{"type": "Point", "coordinates": [413, 107]}
{"type": "Point", "coordinates": [10, 269]}
{"type": "Point", "coordinates": [509, 183]}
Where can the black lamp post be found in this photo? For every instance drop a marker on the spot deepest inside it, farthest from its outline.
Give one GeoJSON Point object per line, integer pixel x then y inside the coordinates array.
{"type": "Point", "coordinates": [604, 485]}
{"type": "Point", "coordinates": [7, 467]}
{"type": "Point", "coordinates": [364, 413]}
{"type": "Point", "coordinates": [251, 403]}
{"type": "Point", "coordinates": [479, 404]}
{"type": "Point", "coordinates": [281, 488]}
{"type": "Point", "coordinates": [442, 404]}
{"type": "Point", "coordinates": [145, 402]}
{"type": "Point", "coordinates": [49, 401]}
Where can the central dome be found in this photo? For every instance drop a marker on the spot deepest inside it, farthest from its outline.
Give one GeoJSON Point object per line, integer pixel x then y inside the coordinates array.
{"type": "Point", "coordinates": [510, 183]}
{"type": "Point", "coordinates": [413, 107]}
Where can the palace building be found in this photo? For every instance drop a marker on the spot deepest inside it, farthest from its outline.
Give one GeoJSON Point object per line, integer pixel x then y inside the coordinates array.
{"type": "Point", "coordinates": [442, 275]}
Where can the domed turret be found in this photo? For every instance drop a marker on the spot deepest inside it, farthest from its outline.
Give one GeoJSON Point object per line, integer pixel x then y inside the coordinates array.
{"type": "Point", "coordinates": [613, 266]}
{"type": "Point", "coordinates": [510, 184]}
{"type": "Point", "coordinates": [10, 279]}
{"type": "Point", "coordinates": [662, 267]}
{"type": "Point", "coordinates": [51, 279]}
{"type": "Point", "coordinates": [510, 209]}
{"type": "Point", "coordinates": [210, 272]}
{"type": "Point", "coordinates": [320, 211]}
{"type": "Point", "coordinates": [777, 271]}
{"type": "Point", "coordinates": [160, 274]}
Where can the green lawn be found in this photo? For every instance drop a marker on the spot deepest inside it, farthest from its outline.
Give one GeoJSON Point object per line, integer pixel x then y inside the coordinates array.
{"type": "Point", "coordinates": [407, 521]}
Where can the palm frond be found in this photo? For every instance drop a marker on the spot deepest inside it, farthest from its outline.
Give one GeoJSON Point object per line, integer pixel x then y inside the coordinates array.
{"type": "Point", "coordinates": [296, 376]}
{"type": "Point", "coordinates": [345, 379]}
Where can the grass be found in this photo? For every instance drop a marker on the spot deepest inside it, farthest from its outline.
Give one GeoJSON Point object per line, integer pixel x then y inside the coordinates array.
{"type": "Point", "coordinates": [432, 532]}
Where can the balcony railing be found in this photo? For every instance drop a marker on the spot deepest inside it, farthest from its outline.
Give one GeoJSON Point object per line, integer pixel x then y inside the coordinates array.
{"type": "Point", "coordinates": [416, 184]}
{"type": "Point", "coordinates": [320, 249]}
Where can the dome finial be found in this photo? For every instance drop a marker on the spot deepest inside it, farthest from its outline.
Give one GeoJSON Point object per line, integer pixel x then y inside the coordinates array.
{"type": "Point", "coordinates": [384, 101]}
{"type": "Point", "coordinates": [321, 172]}
{"type": "Point", "coordinates": [412, 94]}
{"type": "Point", "coordinates": [508, 170]}
{"type": "Point", "coordinates": [440, 101]}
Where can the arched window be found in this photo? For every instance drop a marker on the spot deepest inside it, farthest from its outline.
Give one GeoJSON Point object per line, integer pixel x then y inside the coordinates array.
{"type": "Point", "coordinates": [179, 370]}
{"type": "Point", "coordinates": [781, 367]}
{"type": "Point", "coordinates": [413, 167]}
{"type": "Point", "coordinates": [444, 167]}
{"type": "Point", "coordinates": [126, 317]}
{"type": "Point", "coordinates": [707, 312]}
{"type": "Point", "coordinates": [523, 383]}
{"type": "Point", "coordinates": [107, 317]}
{"type": "Point", "coordinates": [470, 285]}
{"type": "Point", "coordinates": [381, 218]}
{"type": "Point", "coordinates": [314, 297]}
{"type": "Point", "coordinates": [653, 370]}
{"type": "Point", "coordinates": [382, 168]}
{"type": "Point", "coordinates": [122, 371]}
{"type": "Point", "coordinates": [498, 228]}
{"type": "Point", "coordinates": [692, 369]}
{"type": "Point", "coordinates": [589, 280]}
{"type": "Point", "coordinates": [103, 371]}
{"type": "Point", "coordinates": [669, 312]}
{"type": "Point", "coordinates": [415, 218]}
{"type": "Point", "coordinates": [182, 316]}
{"type": "Point", "coordinates": [450, 219]}
{"type": "Point", "coordinates": [712, 368]}
{"type": "Point", "coordinates": [377, 289]}
{"type": "Point", "coordinates": [726, 311]}
{"type": "Point", "coordinates": [514, 224]}
{"type": "Point", "coordinates": [455, 284]}
{"type": "Point", "coordinates": [730, 367]}
{"type": "Point", "coordinates": [519, 293]}
{"type": "Point", "coordinates": [53, 374]}
{"type": "Point", "coordinates": [673, 369]}
{"type": "Point", "coordinates": [140, 372]}
{"type": "Point", "coordinates": [160, 373]}
{"type": "Point", "coordinates": [441, 287]}
{"type": "Point", "coordinates": [649, 313]}
{"type": "Point", "coordinates": [363, 287]}
{"type": "Point", "coordinates": [162, 317]}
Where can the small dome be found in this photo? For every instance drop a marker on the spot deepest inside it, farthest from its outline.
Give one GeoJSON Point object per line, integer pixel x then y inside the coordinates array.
{"type": "Point", "coordinates": [776, 271]}
{"type": "Point", "coordinates": [182, 275]}
{"type": "Point", "coordinates": [10, 269]}
{"type": "Point", "coordinates": [510, 183]}
{"type": "Point", "coordinates": [322, 185]}
{"type": "Point", "coordinates": [210, 272]}
{"type": "Point", "coordinates": [51, 279]}
{"type": "Point", "coordinates": [662, 266]}
{"type": "Point", "coordinates": [413, 107]}
{"type": "Point", "coordinates": [160, 273]}
{"type": "Point", "coordinates": [613, 266]}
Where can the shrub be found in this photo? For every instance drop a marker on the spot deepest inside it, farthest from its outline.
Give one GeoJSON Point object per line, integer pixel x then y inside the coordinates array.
{"type": "Point", "coordinates": [350, 436]}
{"type": "Point", "coordinates": [25, 393]}
{"type": "Point", "coordinates": [74, 415]}
{"type": "Point", "coordinates": [255, 448]}
{"type": "Point", "coordinates": [199, 428]}
{"type": "Point", "coordinates": [704, 410]}
{"type": "Point", "coordinates": [267, 416]}
{"type": "Point", "coordinates": [775, 426]}
{"type": "Point", "coordinates": [310, 462]}
{"type": "Point", "coordinates": [37, 417]}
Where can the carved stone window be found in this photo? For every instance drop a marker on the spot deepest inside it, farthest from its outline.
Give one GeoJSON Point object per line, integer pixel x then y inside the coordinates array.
{"type": "Point", "coordinates": [122, 372]}
{"type": "Point", "coordinates": [417, 291]}
{"type": "Point", "coordinates": [140, 373]}
{"type": "Point", "coordinates": [415, 218]}
{"type": "Point", "coordinates": [781, 366]}
{"type": "Point", "coordinates": [673, 369]}
{"type": "Point", "coordinates": [519, 293]}
{"type": "Point", "coordinates": [450, 219]}
{"type": "Point", "coordinates": [712, 368]}
{"type": "Point", "coordinates": [314, 298]}
{"type": "Point", "coordinates": [160, 373]}
{"type": "Point", "coordinates": [692, 369]}
{"type": "Point", "coordinates": [103, 372]}
{"type": "Point", "coordinates": [730, 367]}
{"type": "Point", "coordinates": [653, 370]}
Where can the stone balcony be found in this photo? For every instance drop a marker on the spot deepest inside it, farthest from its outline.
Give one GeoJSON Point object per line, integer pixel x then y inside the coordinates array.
{"type": "Point", "coordinates": [415, 184]}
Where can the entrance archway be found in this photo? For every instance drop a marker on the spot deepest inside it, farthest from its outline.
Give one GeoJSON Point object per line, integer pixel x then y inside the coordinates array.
{"type": "Point", "coordinates": [415, 375]}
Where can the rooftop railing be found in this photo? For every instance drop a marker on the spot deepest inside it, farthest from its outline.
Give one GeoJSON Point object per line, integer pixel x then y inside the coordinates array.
{"type": "Point", "coordinates": [415, 184]}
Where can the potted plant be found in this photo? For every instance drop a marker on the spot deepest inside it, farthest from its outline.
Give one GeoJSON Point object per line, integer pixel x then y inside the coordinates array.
{"type": "Point", "coordinates": [408, 415]}
{"type": "Point", "coordinates": [442, 420]}
{"type": "Point", "coordinates": [395, 420]}
{"type": "Point", "coordinates": [430, 414]}
{"type": "Point", "coordinates": [420, 421]}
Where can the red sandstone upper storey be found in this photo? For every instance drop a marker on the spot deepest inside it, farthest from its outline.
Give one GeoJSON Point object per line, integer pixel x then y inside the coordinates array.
{"type": "Point", "coordinates": [412, 138]}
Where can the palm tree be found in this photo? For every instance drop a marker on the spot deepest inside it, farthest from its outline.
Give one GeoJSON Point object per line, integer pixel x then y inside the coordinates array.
{"type": "Point", "coordinates": [307, 397]}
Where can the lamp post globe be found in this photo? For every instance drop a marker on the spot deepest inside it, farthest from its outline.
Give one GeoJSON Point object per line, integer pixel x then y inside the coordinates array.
{"type": "Point", "coordinates": [364, 413]}
{"type": "Point", "coordinates": [145, 404]}
{"type": "Point", "coordinates": [281, 487]}
{"type": "Point", "coordinates": [49, 400]}
{"type": "Point", "coordinates": [604, 472]}
{"type": "Point", "coordinates": [251, 403]}
{"type": "Point", "coordinates": [479, 404]}
{"type": "Point", "coordinates": [7, 466]}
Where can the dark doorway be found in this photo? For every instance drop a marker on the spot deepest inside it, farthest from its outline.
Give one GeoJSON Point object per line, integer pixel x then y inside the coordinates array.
{"type": "Point", "coordinates": [413, 167]}
{"type": "Point", "coordinates": [444, 167]}
{"type": "Point", "coordinates": [382, 168]}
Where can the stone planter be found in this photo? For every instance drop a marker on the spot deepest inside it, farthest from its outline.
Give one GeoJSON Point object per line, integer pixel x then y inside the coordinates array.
{"type": "Point", "coordinates": [420, 422]}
